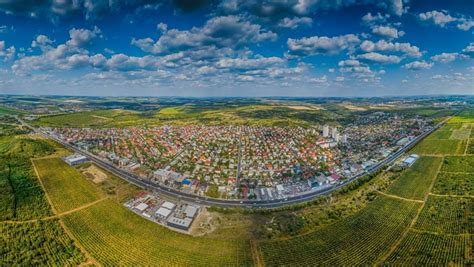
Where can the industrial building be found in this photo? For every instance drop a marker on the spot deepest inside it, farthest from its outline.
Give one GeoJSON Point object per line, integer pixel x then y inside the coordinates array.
{"type": "Point", "coordinates": [75, 159]}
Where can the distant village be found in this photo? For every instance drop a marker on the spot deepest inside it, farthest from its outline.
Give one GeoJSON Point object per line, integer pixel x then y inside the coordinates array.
{"type": "Point", "coordinates": [250, 162]}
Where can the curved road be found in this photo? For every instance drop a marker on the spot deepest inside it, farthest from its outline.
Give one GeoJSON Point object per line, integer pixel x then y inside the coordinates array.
{"type": "Point", "coordinates": [226, 203]}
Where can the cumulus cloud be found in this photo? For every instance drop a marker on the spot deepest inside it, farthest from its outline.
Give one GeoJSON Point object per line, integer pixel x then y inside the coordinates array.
{"type": "Point", "coordinates": [7, 53]}
{"type": "Point", "coordinates": [437, 17]}
{"type": "Point", "coordinates": [445, 57]}
{"type": "Point", "coordinates": [418, 65]}
{"type": "Point", "coordinates": [469, 50]}
{"type": "Point", "coordinates": [162, 27]}
{"type": "Point", "coordinates": [247, 63]}
{"type": "Point", "coordinates": [388, 32]}
{"type": "Point", "coordinates": [41, 41]}
{"type": "Point", "coordinates": [295, 22]}
{"type": "Point", "coordinates": [379, 58]}
{"type": "Point", "coordinates": [377, 18]}
{"type": "Point", "coordinates": [82, 37]}
{"type": "Point", "coordinates": [322, 45]}
{"type": "Point", "coordinates": [349, 63]}
{"type": "Point", "coordinates": [384, 46]}
{"type": "Point", "coordinates": [442, 18]}
{"type": "Point", "coordinates": [224, 31]}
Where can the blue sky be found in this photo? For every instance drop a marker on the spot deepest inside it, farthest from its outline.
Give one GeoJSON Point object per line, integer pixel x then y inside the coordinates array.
{"type": "Point", "coordinates": [236, 47]}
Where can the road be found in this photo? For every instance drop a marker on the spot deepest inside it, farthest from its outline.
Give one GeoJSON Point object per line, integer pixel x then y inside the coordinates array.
{"type": "Point", "coordinates": [226, 203]}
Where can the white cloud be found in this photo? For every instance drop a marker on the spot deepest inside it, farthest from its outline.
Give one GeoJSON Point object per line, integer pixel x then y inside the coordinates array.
{"type": "Point", "coordinates": [469, 50]}
{"type": "Point", "coordinates": [377, 18]}
{"type": "Point", "coordinates": [41, 41]}
{"type": "Point", "coordinates": [442, 18]}
{"type": "Point", "coordinates": [295, 22]}
{"type": "Point", "coordinates": [437, 17]}
{"type": "Point", "coordinates": [324, 45]}
{"type": "Point", "coordinates": [246, 63]}
{"type": "Point", "coordinates": [387, 31]}
{"type": "Point", "coordinates": [162, 27]}
{"type": "Point", "coordinates": [82, 37]}
{"type": "Point", "coordinates": [418, 65]}
{"type": "Point", "coordinates": [224, 31]}
{"type": "Point", "coordinates": [349, 63]}
{"type": "Point", "coordinates": [384, 46]}
{"type": "Point", "coordinates": [445, 57]}
{"type": "Point", "coordinates": [379, 58]}
{"type": "Point", "coordinates": [466, 25]}
{"type": "Point", "coordinates": [2, 45]}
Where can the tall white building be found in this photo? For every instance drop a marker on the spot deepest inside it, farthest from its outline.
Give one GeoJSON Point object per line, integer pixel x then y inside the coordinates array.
{"type": "Point", "coordinates": [344, 138]}
{"type": "Point", "coordinates": [334, 133]}
{"type": "Point", "coordinates": [325, 131]}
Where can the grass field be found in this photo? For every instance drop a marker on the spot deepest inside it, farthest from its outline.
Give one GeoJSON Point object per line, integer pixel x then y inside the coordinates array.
{"type": "Point", "coordinates": [66, 187]}
{"type": "Point", "coordinates": [413, 182]}
{"type": "Point", "coordinates": [458, 164]}
{"type": "Point", "coordinates": [437, 147]}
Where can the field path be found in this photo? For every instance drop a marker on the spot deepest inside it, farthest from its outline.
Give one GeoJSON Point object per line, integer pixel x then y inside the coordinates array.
{"type": "Point", "coordinates": [410, 227]}
{"type": "Point", "coordinates": [459, 196]}
{"type": "Point", "coordinates": [398, 197]}
{"type": "Point", "coordinates": [90, 259]}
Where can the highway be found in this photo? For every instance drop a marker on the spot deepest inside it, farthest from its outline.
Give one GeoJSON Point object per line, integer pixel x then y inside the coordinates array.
{"type": "Point", "coordinates": [226, 203]}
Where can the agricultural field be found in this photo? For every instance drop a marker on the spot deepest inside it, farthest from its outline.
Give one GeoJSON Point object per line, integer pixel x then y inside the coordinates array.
{"type": "Point", "coordinates": [106, 229]}
{"type": "Point", "coordinates": [358, 240]}
{"type": "Point", "coordinates": [413, 182]}
{"type": "Point", "coordinates": [461, 164]}
{"type": "Point", "coordinates": [447, 215]}
{"type": "Point", "coordinates": [117, 236]}
{"type": "Point", "coordinates": [438, 147]}
{"type": "Point", "coordinates": [39, 243]}
{"type": "Point", "coordinates": [65, 186]}
{"type": "Point", "coordinates": [21, 197]}
{"type": "Point", "coordinates": [241, 114]}
{"type": "Point", "coordinates": [29, 235]}
{"type": "Point", "coordinates": [454, 184]}
{"type": "Point", "coordinates": [423, 249]}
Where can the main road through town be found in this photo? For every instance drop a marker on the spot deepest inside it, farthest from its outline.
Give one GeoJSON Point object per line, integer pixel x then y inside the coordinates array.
{"type": "Point", "coordinates": [226, 203]}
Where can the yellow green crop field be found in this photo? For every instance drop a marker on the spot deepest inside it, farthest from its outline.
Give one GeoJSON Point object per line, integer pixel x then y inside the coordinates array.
{"type": "Point", "coordinates": [66, 187]}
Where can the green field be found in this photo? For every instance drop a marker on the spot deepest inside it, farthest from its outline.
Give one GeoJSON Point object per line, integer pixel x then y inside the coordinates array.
{"type": "Point", "coordinates": [9, 111]}
{"type": "Point", "coordinates": [26, 240]}
{"type": "Point", "coordinates": [270, 115]}
{"type": "Point", "coordinates": [438, 147]}
{"type": "Point", "coordinates": [427, 249]}
{"type": "Point", "coordinates": [65, 186]}
{"type": "Point", "coordinates": [359, 240]}
{"type": "Point", "coordinates": [117, 236]}
{"type": "Point", "coordinates": [454, 184]}
{"type": "Point", "coordinates": [414, 181]}
{"type": "Point", "coordinates": [462, 164]}
{"type": "Point", "coordinates": [391, 219]}
{"type": "Point", "coordinates": [42, 243]}
{"type": "Point", "coordinates": [447, 215]}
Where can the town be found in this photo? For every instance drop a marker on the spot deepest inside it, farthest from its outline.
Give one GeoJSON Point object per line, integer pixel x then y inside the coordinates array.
{"type": "Point", "coordinates": [250, 162]}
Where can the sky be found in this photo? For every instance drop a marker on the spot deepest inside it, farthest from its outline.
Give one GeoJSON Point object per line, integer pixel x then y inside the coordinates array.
{"type": "Point", "coordinates": [236, 47]}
